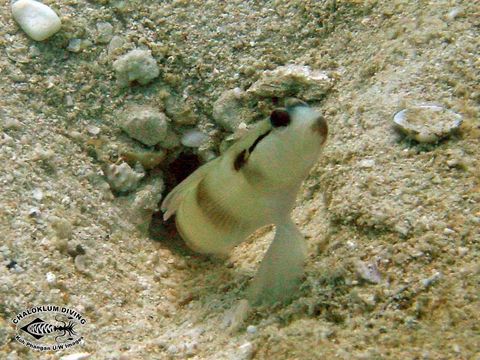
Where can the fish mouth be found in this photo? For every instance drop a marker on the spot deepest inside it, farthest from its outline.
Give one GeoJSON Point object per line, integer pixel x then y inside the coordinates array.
{"type": "Point", "coordinates": [320, 126]}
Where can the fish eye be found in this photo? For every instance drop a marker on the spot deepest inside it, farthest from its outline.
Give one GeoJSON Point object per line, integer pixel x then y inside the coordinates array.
{"type": "Point", "coordinates": [279, 117]}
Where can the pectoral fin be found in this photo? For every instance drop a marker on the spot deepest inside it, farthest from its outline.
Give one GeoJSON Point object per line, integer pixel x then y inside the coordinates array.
{"type": "Point", "coordinates": [281, 269]}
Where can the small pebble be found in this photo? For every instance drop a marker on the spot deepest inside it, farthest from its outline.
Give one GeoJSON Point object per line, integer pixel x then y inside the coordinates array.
{"type": "Point", "coordinates": [453, 163]}
{"type": "Point", "coordinates": [190, 348]}
{"type": "Point", "coordinates": [51, 278]}
{"type": "Point", "coordinates": [462, 250]}
{"type": "Point", "coordinates": [193, 138]}
{"type": "Point", "coordinates": [62, 227]}
{"type": "Point", "coordinates": [172, 349]}
{"type": "Point", "coordinates": [104, 32]}
{"type": "Point", "coordinates": [368, 272]}
{"type": "Point", "coordinates": [137, 65]}
{"type": "Point", "coordinates": [81, 263]}
{"type": "Point", "coordinates": [34, 212]}
{"type": "Point", "coordinates": [76, 356]}
{"type": "Point", "coordinates": [251, 329]}
{"type": "Point", "coordinates": [11, 124]}
{"type": "Point", "coordinates": [366, 163]}
{"type": "Point", "coordinates": [37, 20]}
{"type": "Point", "coordinates": [37, 194]}
{"type": "Point", "coordinates": [448, 231]}
{"type": "Point", "coordinates": [246, 351]}
{"type": "Point", "coordinates": [93, 130]}
{"type": "Point", "coordinates": [115, 44]}
{"type": "Point", "coordinates": [74, 45]}
{"type": "Point", "coordinates": [454, 13]}
{"type": "Point", "coordinates": [69, 101]}
{"type": "Point", "coordinates": [431, 280]}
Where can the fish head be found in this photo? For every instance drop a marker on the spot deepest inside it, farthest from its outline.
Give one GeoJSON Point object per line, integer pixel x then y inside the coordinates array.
{"type": "Point", "coordinates": [285, 155]}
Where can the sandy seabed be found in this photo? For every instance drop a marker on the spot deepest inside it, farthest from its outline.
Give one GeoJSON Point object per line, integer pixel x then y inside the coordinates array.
{"type": "Point", "coordinates": [393, 226]}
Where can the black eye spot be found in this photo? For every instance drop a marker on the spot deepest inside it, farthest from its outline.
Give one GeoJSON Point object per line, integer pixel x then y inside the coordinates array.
{"type": "Point", "coordinates": [279, 117]}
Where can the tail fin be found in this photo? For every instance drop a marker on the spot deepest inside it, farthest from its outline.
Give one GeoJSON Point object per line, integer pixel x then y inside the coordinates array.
{"type": "Point", "coordinates": [282, 267]}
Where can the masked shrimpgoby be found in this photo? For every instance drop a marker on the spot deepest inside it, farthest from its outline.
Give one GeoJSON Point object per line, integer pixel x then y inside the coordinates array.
{"type": "Point", "coordinates": [252, 184]}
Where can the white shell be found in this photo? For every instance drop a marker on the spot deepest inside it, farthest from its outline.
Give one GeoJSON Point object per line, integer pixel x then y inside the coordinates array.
{"type": "Point", "coordinates": [38, 20]}
{"type": "Point", "coordinates": [427, 123]}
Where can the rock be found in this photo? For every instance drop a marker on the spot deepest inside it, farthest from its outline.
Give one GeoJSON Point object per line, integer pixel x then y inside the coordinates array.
{"type": "Point", "coordinates": [245, 351]}
{"type": "Point", "coordinates": [74, 45]}
{"type": "Point", "coordinates": [37, 20]}
{"type": "Point", "coordinates": [144, 203]}
{"type": "Point", "coordinates": [148, 159]}
{"type": "Point", "coordinates": [122, 178]}
{"type": "Point", "coordinates": [367, 272]}
{"type": "Point", "coordinates": [93, 130]}
{"type": "Point", "coordinates": [180, 112]}
{"type": "Point", "coordinates": [427, 123]}
{"type": "Point", "coordinates": [115, 45]}
{"type": "Point", "coordinates": [171, 141]}
{"type": "Point", "coordinates": [193, 138]}
{"type": "Point", "coordinates": [292, 80]}
{"type": "Point", "coordinates": [62, 227]}
{"type": "Point", "coordinates": [137, 65]}
{"type": "Point", "coordinates": [104, 32]}
{"type": "Point", "coordinates": [145, 124]}
{"type": "Point", "coordinates": [231, 109]}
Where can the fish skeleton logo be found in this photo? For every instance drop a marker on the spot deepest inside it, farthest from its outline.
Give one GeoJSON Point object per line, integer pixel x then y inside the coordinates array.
{"type": "Point", "coordinates": [55, 326]}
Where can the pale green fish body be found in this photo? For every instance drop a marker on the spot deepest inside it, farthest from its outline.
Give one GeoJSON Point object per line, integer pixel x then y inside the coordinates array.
{"type": "Point", "coordinates": [253, 184]}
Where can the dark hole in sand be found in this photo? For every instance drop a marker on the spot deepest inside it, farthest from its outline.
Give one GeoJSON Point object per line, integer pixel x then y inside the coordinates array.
{"type": "Point", "coordinates": [165, 231]}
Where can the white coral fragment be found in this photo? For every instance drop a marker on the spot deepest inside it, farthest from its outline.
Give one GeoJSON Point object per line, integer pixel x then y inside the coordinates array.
{"type": "Point", "coordinates": [122, 178]}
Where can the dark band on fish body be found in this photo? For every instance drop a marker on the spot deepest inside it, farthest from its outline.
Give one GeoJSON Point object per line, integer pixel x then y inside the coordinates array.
{"type": "Point", "coordinates": [213, 211]}
{"type": "Point", "coordinates": [240, 160]}
{"type": "Point", "coordinates": [255, 143]}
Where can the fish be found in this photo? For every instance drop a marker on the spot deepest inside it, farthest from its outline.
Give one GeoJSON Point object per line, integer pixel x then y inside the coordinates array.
{"type": "Point", "coordinates": [254, 183]}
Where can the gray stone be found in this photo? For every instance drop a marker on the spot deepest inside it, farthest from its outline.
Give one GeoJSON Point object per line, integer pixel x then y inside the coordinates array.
{"type": "Point", "coordinates": [145, 124]}
{"type": "Point", "coordinates": [231, 109]}
{"type": "Point", "coordinates": [137, 65]}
